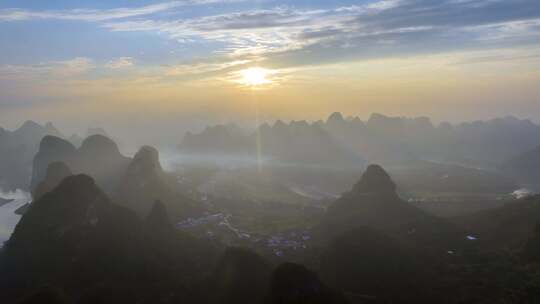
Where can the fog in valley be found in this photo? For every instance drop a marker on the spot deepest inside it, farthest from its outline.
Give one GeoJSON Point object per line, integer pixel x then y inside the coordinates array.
{"type": "Point", "coordinates": [270, 152]}
{"type": "Point", "coordinates": [315, 197]}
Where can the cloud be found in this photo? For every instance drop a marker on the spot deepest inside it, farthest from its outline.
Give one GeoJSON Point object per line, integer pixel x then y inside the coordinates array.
{"type": "Point", "coordinates": [94, 15]}
{"type": "Point", "coordinates": [120, 63]}
{"type": "Point", "coordinates": [286, 36]}
{"type": "Point", "coordinates": [198, 68]}
{"type": "Point", "coordinates": [56, 69]}
{"type": "Point", "coordinates": [381, 28]}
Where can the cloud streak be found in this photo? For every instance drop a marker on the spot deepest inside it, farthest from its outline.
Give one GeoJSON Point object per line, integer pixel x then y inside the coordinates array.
{"type": "Point", "coordinates": [57, 69]}
{"type": "Point", "coordinates": [382, 28]}
{"type": "Point", "coordinates": [93, 15]}
{"type": "Point", "coordinates": [286, 36]}
{"type": "Point", "coordinates": [120, 63]}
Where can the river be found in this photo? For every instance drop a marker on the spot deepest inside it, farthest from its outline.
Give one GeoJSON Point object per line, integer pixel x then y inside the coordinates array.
{"type": "Point", "coordinates": [8, 218]}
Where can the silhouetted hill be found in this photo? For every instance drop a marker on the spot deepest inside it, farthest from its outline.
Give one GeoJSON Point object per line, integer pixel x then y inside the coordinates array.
{"type": "Point", "coordinates": [75, 231]}
{"type": "Point", "coordinates": [51, 149]}
{"type": "Point", "coordinates": [241, 276]}
{"type": "Point", "coordinates": [295, 284]}
{"type": "Point", "coordinates": [56, 172]}
{"type": "Point", "coordinates": [373, 202]}
{"type": "Point", "coordinates": [98, 157]}
{"type": "Point", "coordinates": [77, 140]}
{"type": "Point", "coordinates": [31, 132]}
{"type": "Point", "coordinates": [61, 235]}
{"type": "Point", "coordinates": [144, 182]}
{"type": "Point", "coordinates": [367, 264]}
{"type": "Point", "coordinates": [158, 220]}
{"type": "Point", "coordinates": [375, 181]}
{"type": "Point", "coordinates": [17, 150]}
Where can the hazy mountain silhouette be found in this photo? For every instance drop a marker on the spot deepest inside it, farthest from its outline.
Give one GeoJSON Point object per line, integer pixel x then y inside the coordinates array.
{"type": "Point", "coordinates": [144, 182]}
{"type": "Point", "coordinates": [241, 276]}
{"type": "Point", "coordinates": [76, 231]}
{"type": "Point", "coordinates": [298, 142]}
{"type": "Point", "coordinates": [219, 139]}
{"type": "Point", "coordinates": [105, 228]}
{"type": "Point", "coordinates": [302, 143]}
{"type": "Point", "coordinates": [367, 264]}
{"type": "Point", "coordinates": [381, 139]}
{"type": "Point", "coordinates": [98, 157]}
{"type": "Point", "coordinates": [373, 202]}
{"type": "Point", "coordinates": [389, 140]}
{"type": "Point", "coordinates": [295, 284]}
{"type": "Point", "coordinates": [17, 150]}
{"type": "Point", "coordinates": [62, 233]}
{"type": "Point", "coordinates": [56, 172]}
{"type": "Point", "coordinates": [158, 220]}
{"type": "Point", "coordinates": [77, 139]}
{"type": "Point", "coordinates": [51, 149]}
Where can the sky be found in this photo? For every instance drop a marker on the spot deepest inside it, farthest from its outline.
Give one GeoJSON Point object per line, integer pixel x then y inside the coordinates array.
{"type": "Point", "coordinates": [141, 66]}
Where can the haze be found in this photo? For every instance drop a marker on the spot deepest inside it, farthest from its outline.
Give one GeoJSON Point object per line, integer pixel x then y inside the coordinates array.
{"type": "Point", "coordinates": [270, 151]}
{"type": "Point", "coordinates": [178, 64]}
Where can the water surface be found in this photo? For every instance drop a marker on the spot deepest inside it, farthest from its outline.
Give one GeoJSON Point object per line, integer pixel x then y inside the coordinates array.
{"type": "Point", "coordinates": [8, 218]}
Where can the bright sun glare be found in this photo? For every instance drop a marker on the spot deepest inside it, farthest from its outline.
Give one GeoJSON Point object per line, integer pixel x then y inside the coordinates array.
{"type": "Point", "coordinates": [255, 76]}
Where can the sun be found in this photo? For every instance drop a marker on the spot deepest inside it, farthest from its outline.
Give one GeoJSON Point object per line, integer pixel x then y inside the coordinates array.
{"type": "Point", "coordinates": [254, 76]}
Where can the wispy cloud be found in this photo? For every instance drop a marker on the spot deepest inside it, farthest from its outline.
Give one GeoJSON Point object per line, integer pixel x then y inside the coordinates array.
{"type": "Point", "coordinates": [199, 68]}
{"type": "Point", "coordinates": [94, 15]}
{"type": "Point", "coordinates": [287, 36]}
{"type": "Point", "coordinates": [56, 69]}
{"type": "Point", "coordinates": [378, 28]}
{"type": "Point", "coordinates": [120, 63]}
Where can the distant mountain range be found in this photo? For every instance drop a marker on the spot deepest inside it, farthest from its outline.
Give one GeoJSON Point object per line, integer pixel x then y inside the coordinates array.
{"type": "Point", "coordinates": [380, 139]}
{"type": "Point", "coordinates": [296, 143]}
